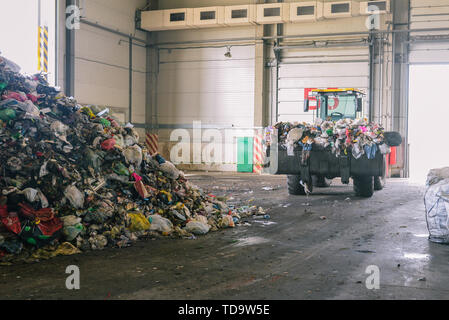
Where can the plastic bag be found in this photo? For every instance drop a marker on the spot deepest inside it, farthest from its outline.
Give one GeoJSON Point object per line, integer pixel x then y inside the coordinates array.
{"type": "Point", "coordinates": [59, 128]}
{"type": "Point", "coordinates": [141, 189]}
{"type": "Point", "coordinates": [160, 224]}
{"type": "Point", "coordinates": [64, 249]}
{"type": "Point", "coordinates": [30, 194]}
{"type": "Point", "coordinates": [7, 114]}
{"type": "Point", "coordinates": [70, 220]}
{"type": "Point", "coordinates": [120, 169]}
{"type": "Point", "coordinates": [295, 135]}
{"type": "Point", "coordinates": [384, 148]}
{"type": "Point", "coordinates": [227, 222]}
{"type": "Point", "coordinates": [10, 65]}
{"type": "Point", "coordinates": [75, 197]}
{"type": "Point", "coordinates": [197, 227]}
{"type": "Point", "coordinates": [98, 242]}
{"type": "Point", "coordinates": [357, 152]}
{"type": "Point", "coordinates": [71, 232]}
{"type": "Point", "coordinates": [436, 175]}
{"type": "Point", "coordinates": [170, 170]}
{"type": "Point", "coordinates": [93, 159]}
{"type": "Point", "coordinates": [119, 141]}
{"type": "Point", "coordinates": [138, 222]}
{"type": "Point", "coordinates": [200, 218]}
{"type": "Point", "coordinates": [108, 144]}
{"type": "Point", "coordinates": [130, 140]}
{"type": "Point", "coordinates": [436, 201]}
{"type": "Point", "coordinates": [133, 155]}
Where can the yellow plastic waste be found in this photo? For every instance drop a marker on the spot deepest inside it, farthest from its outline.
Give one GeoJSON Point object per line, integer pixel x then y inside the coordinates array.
{"type": "Point", "coordinates": [67, 249]}
{"type": "Point", "coordinates": [64, 249]}
{"type": "Point", "coordinates": [89, 112]}
{"type": "Point", "coordinates": [138, 222]}
{"type": "Point", "coordinates": [167, 194]}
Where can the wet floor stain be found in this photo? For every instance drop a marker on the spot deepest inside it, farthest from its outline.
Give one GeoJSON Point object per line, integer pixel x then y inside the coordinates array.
{"type": "Point", "coordinates": [250, 241]}
{"type": "Point", "coordinates": [416, 256]}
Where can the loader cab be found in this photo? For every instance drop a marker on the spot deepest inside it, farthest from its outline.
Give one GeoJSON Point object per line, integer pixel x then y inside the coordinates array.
{"type": "Point", "coordinates": [337, 104]}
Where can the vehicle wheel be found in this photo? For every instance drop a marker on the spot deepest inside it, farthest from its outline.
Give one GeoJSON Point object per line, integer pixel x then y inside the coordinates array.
{"type": "Point", "coordinates": [294, 186]}
{"type": "Point", "coordinates": [321, 182]}
{"type": "Point", "coordinates": [379, 182]}
{"type": "Point", "coordinates": [364, 186]}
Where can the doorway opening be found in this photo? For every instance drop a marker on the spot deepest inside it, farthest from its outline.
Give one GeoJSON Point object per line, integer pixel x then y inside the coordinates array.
{"type": "Point", "coordinates": [28, 35]}
{"type": "Point", "coordinates": [428, 120]}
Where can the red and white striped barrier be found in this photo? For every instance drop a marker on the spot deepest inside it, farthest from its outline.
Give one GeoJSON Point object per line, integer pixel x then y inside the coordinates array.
{"type": "Point", "coordinates": [258, 155]}
{"type": "Point", "coordinates": [152, 143]}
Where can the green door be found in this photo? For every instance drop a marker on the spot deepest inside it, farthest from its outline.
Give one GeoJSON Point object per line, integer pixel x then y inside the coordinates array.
{"type": "Point", "coordinates": [245, 154]}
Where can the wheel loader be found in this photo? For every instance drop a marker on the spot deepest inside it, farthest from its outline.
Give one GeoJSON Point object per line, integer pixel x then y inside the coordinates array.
{"type": "Point", "coordinates": [322, 166]}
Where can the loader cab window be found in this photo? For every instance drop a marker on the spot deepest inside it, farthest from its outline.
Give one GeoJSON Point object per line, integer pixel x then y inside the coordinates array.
{"type": "Point", "coordinates": [338, 107]}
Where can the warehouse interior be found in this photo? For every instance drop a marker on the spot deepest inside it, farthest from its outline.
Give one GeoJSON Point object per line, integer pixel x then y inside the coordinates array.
{"type": "Point", "coordinates": [199, 81]}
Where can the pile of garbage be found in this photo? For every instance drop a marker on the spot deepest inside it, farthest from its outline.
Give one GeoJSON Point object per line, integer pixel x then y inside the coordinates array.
{"type": "Point", "coordinates": [72, 178]}
{"type": "Point", "coordinates": [342, 137]}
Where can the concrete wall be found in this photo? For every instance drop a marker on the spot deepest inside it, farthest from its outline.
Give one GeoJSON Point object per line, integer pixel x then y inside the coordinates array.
{"type": "Point", "coordinates": [102, 58]}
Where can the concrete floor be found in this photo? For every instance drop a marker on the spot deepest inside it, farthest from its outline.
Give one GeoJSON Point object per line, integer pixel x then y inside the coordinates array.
{"type": "Point", "coordinates": [311, 248]}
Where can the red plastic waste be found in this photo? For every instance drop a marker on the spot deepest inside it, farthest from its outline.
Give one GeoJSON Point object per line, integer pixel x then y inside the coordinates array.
{"type": "Point", "coordinates": [3, 211]}
{"type": "Point", "coordinates": [141, 189]}
{"type": "Point", "coordinates": [47, 222]}
{"type": "Point", "coordinates": [46, 214]}
{"type": "Point", "coordinates": [108, 144]}
{"type": "Point", "coordinates": [136, 177]}
{"type": "Point", "coordinates": [15, 96]}
{"type": "Point", "coordinates": [12, 223]}
{"type": "Point", "coordinates": [32, 97]}
{"type": "Point", "coordinates": [49, 228]}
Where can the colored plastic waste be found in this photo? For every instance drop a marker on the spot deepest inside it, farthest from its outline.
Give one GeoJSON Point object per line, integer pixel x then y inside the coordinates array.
{"type": "Point", "coordinates": [7, 114]}
{"type": "Point", "coordinates": [120, 169]}
{"type": "Point", "coordinates": [108, 144]}
{"type": "Point", "coordinates": [342, 137]}
{"type": "Point", "coordinates": [138, 222]}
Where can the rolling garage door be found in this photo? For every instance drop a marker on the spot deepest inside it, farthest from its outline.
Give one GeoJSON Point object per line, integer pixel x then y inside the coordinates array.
{"type": "Point", "coordinates": [346, 67]}
{"type": "Point", "coordinates": [204, 85]}
{"type": "Point", "coordinates": [429, 47]}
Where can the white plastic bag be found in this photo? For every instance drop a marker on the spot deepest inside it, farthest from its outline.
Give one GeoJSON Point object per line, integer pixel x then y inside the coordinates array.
{"type": "Point", "coordinates": [436, 201]}
{"type": "Point", "coordinates": [75, 197]}
{"type": "Point", "coordinates": [160, 224]}
{"type": "Point", "coordinates": [227, 221]}
{"type": "Point", "coordinates": [133, 155]}
{"type": "Point", "coordinates": [384, 148]}
{"type": "Point", "coordinates": [70, 220]}
{"type": "Point", "coordinates": [59, 128]}
{"type": "Point", "coordinates": [170, 170]}
{"type": "Point", "coordinates": [197, 227]}
{"type": "Point", "coordinates": [295, 135]}
{"type": "Point", "coordinates": [436, 175]}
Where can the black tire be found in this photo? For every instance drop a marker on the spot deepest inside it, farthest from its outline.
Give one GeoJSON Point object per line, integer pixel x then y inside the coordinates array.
{"type": "Point", "coordinates": [364, 186]}
{"type": "Point", "coordinates": [321, 182]}
{"type": "Point", "coordinates": [294, 186]}
{"type": "Point", "coordinates": [379, 182]}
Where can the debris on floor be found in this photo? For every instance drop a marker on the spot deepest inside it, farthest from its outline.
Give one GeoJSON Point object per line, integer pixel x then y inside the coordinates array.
{"type": "Point", "coordinates": [436, 200]}
{"type": "Point", "coordinates": [72, 178]}
{"type": "Point", "coordinates": [358, 137]}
